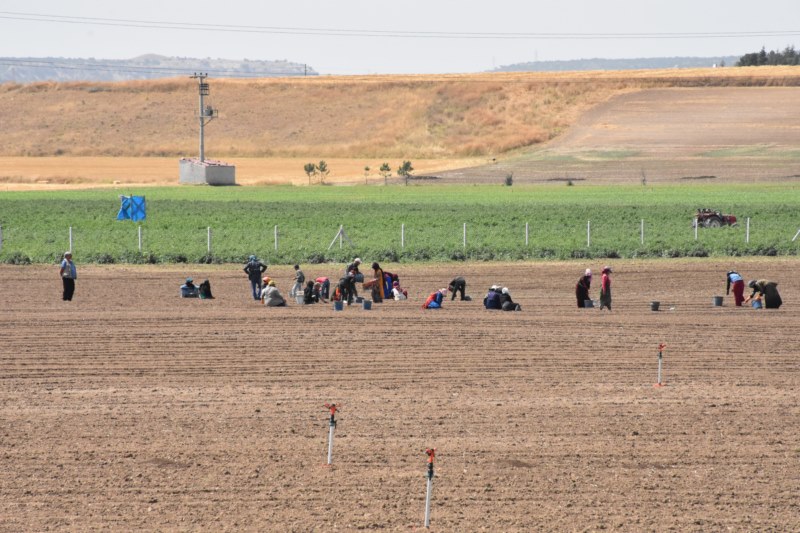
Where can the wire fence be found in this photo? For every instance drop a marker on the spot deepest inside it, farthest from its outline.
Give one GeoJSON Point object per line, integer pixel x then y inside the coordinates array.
{"type": "Point", "coordinates": [614, 239]}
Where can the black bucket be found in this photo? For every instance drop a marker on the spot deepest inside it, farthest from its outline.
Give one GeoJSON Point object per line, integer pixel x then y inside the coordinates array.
{"type": "Point", "coordinates": [717, 301]}
{"type": "Point", "coordinates": [654, 306]}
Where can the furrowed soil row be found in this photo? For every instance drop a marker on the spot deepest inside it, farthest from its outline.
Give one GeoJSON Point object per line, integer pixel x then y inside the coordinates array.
{"type": "Point", "coordinates": [152, 412]}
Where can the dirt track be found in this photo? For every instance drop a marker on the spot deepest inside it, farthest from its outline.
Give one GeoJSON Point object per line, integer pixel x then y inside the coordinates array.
{"type": "Point", "coordinates": [131, 409]}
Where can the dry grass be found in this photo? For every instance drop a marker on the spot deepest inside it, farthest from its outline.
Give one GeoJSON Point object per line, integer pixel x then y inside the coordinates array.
{"type": "Point", "coordinates": [22, 173]}
{"type": "Point", "coordinates": [363, 117]}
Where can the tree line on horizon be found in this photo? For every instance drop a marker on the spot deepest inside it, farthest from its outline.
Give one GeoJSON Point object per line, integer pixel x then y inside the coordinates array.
{"type": "Point", "coordinates": [789, 56]}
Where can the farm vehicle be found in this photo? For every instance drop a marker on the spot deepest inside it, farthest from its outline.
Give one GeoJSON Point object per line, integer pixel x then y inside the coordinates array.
{"type": "Point", "coordinates": [709, 218]}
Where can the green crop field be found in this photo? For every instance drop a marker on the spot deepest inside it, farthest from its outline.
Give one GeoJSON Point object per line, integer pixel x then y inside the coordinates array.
{"type": "Point", "coordinates": [35, 225]}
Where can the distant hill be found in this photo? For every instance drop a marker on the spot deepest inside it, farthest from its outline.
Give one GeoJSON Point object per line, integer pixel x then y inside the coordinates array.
{"type": "Point", "coordinates": [643, 63]}
{"type": "Point", "coordinates": [146, 67]}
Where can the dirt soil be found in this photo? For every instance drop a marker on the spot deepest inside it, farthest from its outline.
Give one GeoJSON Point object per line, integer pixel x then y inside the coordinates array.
{"type": "Point", "coordinates": [132, 409]}
{"type": "Point", "coordinates": [721, 134]}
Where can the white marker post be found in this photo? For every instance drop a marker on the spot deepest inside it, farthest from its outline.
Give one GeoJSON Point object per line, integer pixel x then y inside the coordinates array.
{"type": "Point", "coordinates": [208, 238]}
{"type": "Point", "coordinates": [641, 231]}
{"type": "Point", "coordinates": [431, 454]}
{"type": "Point", "coordinates": [402, 235]}
{"type": "Point", "coordinates": [332, 425]}
{"type": "Point", "coordinates": [140, 239]}
{"type": "Point", "coordinates": [747, 234]}
{"type": "Point", "coordinates": [70, 239]}
{"type": "Point", "coordinates": [660, 358]}
{"type": "Point", "coordinates": [276, 238]}
{"type": "Point", "coordinates": [526, 234]}
{"type": "Point", "coordinates": [465, 234]}
{"type": "Point", "coordinates": [588, 233]}
{"type": "Point", "coordinates": [793, 238]}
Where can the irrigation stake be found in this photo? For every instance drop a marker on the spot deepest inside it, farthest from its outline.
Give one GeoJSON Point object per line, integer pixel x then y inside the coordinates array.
{"type": "Point", "coordinates": [526, 234]}
{"type": "Point", "coordinates": [208, 239]}
{"type": "Point", "coordinates": [660, 383]}
{"type": "Point", "coordinates": [431, 454]}
{"type": "Point", "coordinates": [696, 223]}
{"type": "Point", "coordinates": [276, 238]}
{"type": "Point", "coordinates": [465, 234]}
{"type": "Point", "coordinates": [70, 239]}
{"type": "Point", "coordinates": [332, 425]}
{"type": "Point", "coordinates": [140, 238]}
{"type": "Point", "coordinates": [1, 238]}
{"type": "Point", "coordinates": [1, 235]}
{"type": "Point", "coordinates": [402, 235]}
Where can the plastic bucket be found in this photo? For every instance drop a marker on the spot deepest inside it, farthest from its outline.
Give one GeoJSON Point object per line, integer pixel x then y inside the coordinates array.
{"type": "Point", "coordinates": [654, 306]}
{"type": "Point", "coordinates": [366, 305]}
{"type": "Point", "coordinates": [359, 299]}
{"type": "Point", "coordinates": [338, 306]}
{"type": "Point", "coordinates": [717, 301]}
{"type": "Point", "coordinates": [588, 303]}
{"type": "Point", "coordinates": [299, 299]}
{"type": "Point", "coordinates": [757, 304]}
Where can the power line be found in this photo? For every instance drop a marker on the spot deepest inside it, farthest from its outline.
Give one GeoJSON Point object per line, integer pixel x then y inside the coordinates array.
{"type": "Point", "coordinates": [334, 32]}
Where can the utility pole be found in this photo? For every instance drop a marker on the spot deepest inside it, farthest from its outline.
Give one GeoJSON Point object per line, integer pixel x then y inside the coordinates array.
{"type": "Point", "coordinates": [207, 113]}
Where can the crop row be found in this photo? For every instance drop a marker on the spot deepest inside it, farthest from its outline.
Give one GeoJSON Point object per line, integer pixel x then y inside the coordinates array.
{"type": "Point", "coordinates": [456, 223]}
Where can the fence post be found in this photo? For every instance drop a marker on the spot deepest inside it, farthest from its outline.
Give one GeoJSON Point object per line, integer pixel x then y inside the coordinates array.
{"type": "Point", "coordinates": [70, 239]}
{"type": "Point", "coordinates": [747, 234]}
{"type": "Point", "coordinates": [465, 234]}
{"type": "Point", "coordinates": [526, 234]}
{"type": "Point", "coordinates": [140, 238]}
{"type": "Point", "coordinates": [588, 233]}
{"type": "Point", "coordinates": [696, 223]}
{"type": "Point", "coordinates": [642, 231]}
{"type": "Point", "coordinates": [402, 235]}
{"type": "Point", "coordinates": [208, 238]}
{"type": "Point", "coordinates": [1, 238]}
{"type": "Point", "coordinates": [276, 238]}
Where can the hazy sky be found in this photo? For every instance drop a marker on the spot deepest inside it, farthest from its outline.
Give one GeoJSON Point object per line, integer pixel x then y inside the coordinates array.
{"type": "Point", "coordinates": [388, 37]}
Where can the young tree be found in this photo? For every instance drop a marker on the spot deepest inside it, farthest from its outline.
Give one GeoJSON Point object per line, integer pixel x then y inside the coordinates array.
{"type": "Point", "coordinates": [405, 170]}
{"type": "Point", "coordinates": [310, 170]}
{"type": "Point", "coordinates": [366, 174]}
{"type": "Point", "coordinates": [385, 171]}
{"type": "Point", "coordinates": [323, 170]}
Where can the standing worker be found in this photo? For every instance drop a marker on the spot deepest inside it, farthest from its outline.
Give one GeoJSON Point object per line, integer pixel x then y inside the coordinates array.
{"type": "Point", "coordinates": [68, 275]}
{"type": "Point", "coordinates": [299, 280]}
{"type": "Point", "coordinates": [458, 284]}
{"type": "Point", "coordinates": [766, 293]}
{"type": "Point", "coordinates": [582, 288]}
{"type": "Point", "coordinates": [605, 288]}
{"type": "Point", "coordinates": [254, 269]}
{"type": "Point", "coordinates": [735, 279]}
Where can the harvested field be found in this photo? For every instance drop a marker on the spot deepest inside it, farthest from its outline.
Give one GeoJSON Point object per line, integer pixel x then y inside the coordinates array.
{"type": "Point", "coordinates": [131, 409]}
{"type": "Point", "coordinates": [725, 134]}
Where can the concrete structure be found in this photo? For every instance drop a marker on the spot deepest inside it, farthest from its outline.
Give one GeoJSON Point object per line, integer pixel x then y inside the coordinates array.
{"type": "Point", "coordinates": [208, 172]}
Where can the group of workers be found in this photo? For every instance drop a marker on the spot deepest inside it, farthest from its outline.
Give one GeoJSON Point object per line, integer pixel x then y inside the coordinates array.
{"type": "Point", "coordinates": [585, 284]}
{"type": "Point", "coordinates": [385, 285]}
{"type": "Point", "coordinates": [765, 292]}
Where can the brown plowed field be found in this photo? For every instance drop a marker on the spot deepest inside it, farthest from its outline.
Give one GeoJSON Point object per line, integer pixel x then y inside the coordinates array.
{"type": "Point", "coordinates": [131, 409]}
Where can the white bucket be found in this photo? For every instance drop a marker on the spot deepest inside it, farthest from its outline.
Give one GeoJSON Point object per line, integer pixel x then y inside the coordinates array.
{"type": "Point", "coordinates": [299, 299]}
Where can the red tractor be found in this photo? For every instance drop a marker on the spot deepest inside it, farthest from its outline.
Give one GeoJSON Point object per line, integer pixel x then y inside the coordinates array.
{"type": "Point", "coordinates": [708, 218]}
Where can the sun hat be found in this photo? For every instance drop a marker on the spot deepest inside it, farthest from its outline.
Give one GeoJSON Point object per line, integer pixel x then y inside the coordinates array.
{"type": "Point", "coordinates": [266, 279]}
{"type": "Point", "coordinates": [67, 253]}
{"type": "Point", "coordinates": [588, 272]}
{"type": "Point", "coordinates": [607, 269]}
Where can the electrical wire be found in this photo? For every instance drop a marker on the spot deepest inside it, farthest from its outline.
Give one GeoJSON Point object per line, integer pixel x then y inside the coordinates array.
{"type": "Point", "coordinates": [184, 26]}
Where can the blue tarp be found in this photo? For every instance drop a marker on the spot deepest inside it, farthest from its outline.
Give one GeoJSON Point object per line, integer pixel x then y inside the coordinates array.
{"type": "Point", "coordinates": [132, 208]}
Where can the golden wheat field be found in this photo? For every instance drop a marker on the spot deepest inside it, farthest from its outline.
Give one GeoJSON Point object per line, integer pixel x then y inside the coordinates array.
{"type": "Point", "coordinates": [463, 128]}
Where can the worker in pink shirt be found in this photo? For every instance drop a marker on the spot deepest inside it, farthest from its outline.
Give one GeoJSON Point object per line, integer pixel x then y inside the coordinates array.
{"type": "Point", "coordinates": [605, 289]}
